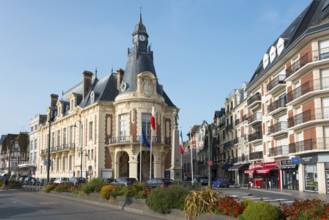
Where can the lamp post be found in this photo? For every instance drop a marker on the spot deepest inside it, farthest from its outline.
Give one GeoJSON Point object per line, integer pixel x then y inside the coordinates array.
{"type": "Point", "coordinates": [50, 119]}
{"type": "Point", "coordinates": [209, 130]}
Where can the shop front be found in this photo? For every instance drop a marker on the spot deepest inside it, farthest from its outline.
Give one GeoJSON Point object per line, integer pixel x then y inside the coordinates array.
{"type": "Point", "coordinates": [310, 172]}
{"type": "Point", "coordinates": [241, 179]}
{"type": "Point", "coordinates": [265, 175]}
{"type": "Point", "coordinates": [289, 169]}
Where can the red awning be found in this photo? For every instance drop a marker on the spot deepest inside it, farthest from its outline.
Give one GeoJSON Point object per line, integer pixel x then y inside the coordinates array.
{"type": "Point", "coordinates": [250, 171]}
{"type": "Point", "coordinates": [266, 169]}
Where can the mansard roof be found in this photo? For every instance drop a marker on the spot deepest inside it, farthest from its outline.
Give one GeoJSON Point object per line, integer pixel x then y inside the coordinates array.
{"type": "Point", "coordinates": [308, 22]}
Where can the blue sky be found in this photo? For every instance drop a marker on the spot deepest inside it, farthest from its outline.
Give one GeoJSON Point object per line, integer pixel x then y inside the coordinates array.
{"type": "Point", "coordinates": [203, 49]}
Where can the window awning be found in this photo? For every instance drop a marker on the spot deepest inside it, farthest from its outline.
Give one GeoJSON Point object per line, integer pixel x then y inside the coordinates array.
{"type": "Point", "coordinates": [266, 169]}
{"type": "Point", "coordinates": [238, 167]}
{"type": "Point", "coordinates": [251, 171]}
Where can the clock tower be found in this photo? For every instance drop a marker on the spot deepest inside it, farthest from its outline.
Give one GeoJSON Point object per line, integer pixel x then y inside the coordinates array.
{"type": "Point", "coordinates": [140, 36]}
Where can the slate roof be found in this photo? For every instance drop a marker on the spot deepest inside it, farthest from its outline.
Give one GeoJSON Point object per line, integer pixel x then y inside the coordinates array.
{"type": "Point", "coordinates": [308, 22]}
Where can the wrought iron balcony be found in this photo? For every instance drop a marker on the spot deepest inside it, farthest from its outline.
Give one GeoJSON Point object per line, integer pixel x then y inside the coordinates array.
{"type": "Point", "coordinates": [279, 151]}
{"type": "Point", "coordinates": [255, 136]}
{"type": "Point", "coordinates": [279, 80]}
{"type": "Point", "coordinates": [229, 127]}
{"type": "Point", "coordinates": [279, 127]}
{"type": "Point", "coordinates": [298, 64]}
{"type": "Point", "coordinates": [309, 145]}
{"type": "Point", "coordinates": [253, 100]}
{"type": "Point", "coordinates": [277, 106]}
{"type": "Point", "coordinates": [308, 87]}
{"type": "Point", "coordinates": [237, 122]}
{"type": "Point", "coordinates": [256, 155]}
{"type": "Point", "coordinates": [255, 118]}
{"type": "Point", "coordinates": [308, 116]}
{"type": "Point", "coordinates": [130, 140]}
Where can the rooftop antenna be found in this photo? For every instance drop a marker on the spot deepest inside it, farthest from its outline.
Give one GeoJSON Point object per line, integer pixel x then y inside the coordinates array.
{"type": "Point", "coordinates": [140, 15]}
{"type": "Point", "coordinates": [96, 72]}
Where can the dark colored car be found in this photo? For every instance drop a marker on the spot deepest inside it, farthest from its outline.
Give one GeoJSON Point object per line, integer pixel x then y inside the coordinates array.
{"type": "Point", "coordinates": [77, 180]}
{"type": "Point", "coordinates": [124, 181]}
{"type": "Point", "coordinates": [201, 179]}
{"type": "Point", "coordinates": [158, 182]}
{"type": "Point", "coordinates": [221, 182]}
{"type": "Point", "coordinates": [108, 180]}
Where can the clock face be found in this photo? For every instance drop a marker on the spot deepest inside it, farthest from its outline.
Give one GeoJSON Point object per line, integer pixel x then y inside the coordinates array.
{"type": "Point", "coordinates": [123, 86]}
{"type": "Point", "coordinates": [142, 37]}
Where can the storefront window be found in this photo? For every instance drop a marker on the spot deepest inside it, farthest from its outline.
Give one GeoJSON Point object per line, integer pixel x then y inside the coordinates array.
{"type": "Point", "coordinates": [311, 178]}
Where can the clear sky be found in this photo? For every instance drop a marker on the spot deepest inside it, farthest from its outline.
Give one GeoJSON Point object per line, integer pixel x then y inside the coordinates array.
{"type": "Point", "coordinates": [203, 49]}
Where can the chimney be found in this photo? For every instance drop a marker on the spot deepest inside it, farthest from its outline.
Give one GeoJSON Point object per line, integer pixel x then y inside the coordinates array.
{"type": "Point", "coordinates": [53, 100]}
{"type": "Point", "coordinates": [120, 73]}
{"type": "Point", "coordinates": [87, 79]}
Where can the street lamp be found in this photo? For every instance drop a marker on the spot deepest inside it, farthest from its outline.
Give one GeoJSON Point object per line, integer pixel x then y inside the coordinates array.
{"type": "Point", "coordinates": [50, 119]}
{"type": "Point", "coordinates": [211, 133]}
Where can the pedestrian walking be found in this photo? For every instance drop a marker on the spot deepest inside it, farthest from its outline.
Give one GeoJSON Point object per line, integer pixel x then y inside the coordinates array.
{"type": "Point", "coordinates": [5, 182]}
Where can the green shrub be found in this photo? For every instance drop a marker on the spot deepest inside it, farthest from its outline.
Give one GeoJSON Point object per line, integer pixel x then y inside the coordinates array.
{"type": "Point", "coordinates": [261, 211]}
{"type": "Point", "coordinates": [62, 188]}
{"type": "Point", "coordinates": [119, 191]}
{"type": "Point", "coordinates": [48, 188]}
{"type": "Point", "coordinates": [94, 185]}
{"type": "Point", "coordinates": [137, 191]}
{"type": "Point", "coordinates": [161, 200]}
{"type": "Point", "coordinates": [106, 191]}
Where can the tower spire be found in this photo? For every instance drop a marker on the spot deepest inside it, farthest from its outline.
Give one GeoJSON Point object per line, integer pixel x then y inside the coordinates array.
{"type": "Point", "coordinates": [140, 15]}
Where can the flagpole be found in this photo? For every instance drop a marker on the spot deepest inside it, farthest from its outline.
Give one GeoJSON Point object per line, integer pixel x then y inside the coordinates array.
{"type": "Point", "coordinates": [140, 157]}
{"type": "Point", "coordinates": [151, 155]}
{"type": "Point", "coordinates": [191, 155]}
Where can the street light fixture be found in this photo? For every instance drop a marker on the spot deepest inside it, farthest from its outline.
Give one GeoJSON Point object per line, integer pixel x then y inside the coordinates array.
{"type": "Point", "coordinates": [211, 133]}
{"type": "Point", "coordinates": [50, 119]}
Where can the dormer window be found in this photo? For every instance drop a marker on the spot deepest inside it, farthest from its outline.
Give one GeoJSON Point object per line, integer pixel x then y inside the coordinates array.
{"type": "Point", "coordinates": [272, 53]}
{"type": "Point", "coordinates": [92, 97]}
{"type": "Point", "coordinates": [280, 46]}
{"type": "Point", "coordinates": [265, 60]}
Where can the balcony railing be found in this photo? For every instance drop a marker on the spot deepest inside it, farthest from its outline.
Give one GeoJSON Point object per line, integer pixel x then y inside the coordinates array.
{"type": "Point", "coordinates": [309, 144]}
{"type": "Point", "coordinates": [279, 150]}
{"type": "Point", "coordinates": [130, 139]}
{"type": "Point", "coordinates": [229, 127]}
{"type": "Point", "coordinates": [309, 115]}
{"type": "Point", "coordinates": [255, 136]}
{"type": "Point", "coordinates": [257, 117]}
{"type": "Point", "coordinates": [245, 118]}
{"type": "Point", "coordinates": [254, 99]}
{"type": "Point", "coordinates": [237, 122]}
{"type": "Point", "coordinates": [280, 103]}
{"type": "Point", "coordinates": [228, 144]}
{"type": "Point", "coordinates": [256, 155]}
{"type": "Point", "coordinates": [310, 86]}
{"type": "Point", "coordinates": [278, 127]}
{"type": "Point", "coordinates": [275, 82]}
{"type": "Point", "coordinates": [307, 58]}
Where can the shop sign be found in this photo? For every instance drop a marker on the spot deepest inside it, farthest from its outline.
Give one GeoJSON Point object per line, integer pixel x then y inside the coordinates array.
{"type": "Point", "coordinates": [295, 160]}
{"type": "Point", "coordinates": [286, 162]}
{"type": "Point", "coordinates": [309, 159]}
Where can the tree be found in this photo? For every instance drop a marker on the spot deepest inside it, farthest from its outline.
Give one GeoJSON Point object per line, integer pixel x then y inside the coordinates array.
{"type": "Point", "coordinates": [23, 142]}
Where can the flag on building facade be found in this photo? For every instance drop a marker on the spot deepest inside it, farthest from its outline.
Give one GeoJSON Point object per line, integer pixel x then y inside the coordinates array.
{"type": "Point", "coordinates": [144, 140]}
{"type": "Point", "coordinates": [181, 147]}
{"type": "Point", "coordinates": [153, 119]}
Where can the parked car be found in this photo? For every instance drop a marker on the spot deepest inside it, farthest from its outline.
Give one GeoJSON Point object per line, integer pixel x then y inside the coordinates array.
{"type": "Point", "coordinates": [158, 182]}
{"type": "Point", "coordinates": [108, 180]}
{"type": "Point", "coordinates": [201, 179]}
{"type": "Point", "coordinates": [61, 180]}
{"type": "Point", "coordinates": [77, 180]}
{"type": "Point", "coordinates": [124, 181]}
{"type": "Point", "coordinates": [221, 182]}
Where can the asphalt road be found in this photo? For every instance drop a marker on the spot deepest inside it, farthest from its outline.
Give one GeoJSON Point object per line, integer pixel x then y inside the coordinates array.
{"type": "Point", "coordinates": [23, 205]}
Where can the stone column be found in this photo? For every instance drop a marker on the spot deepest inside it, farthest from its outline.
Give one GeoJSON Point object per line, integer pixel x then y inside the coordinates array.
{"type": "Point", "coordinates": [175, 169]}
{"type": "Point", "coordinates": [301, 177]}
{"type": "Point", "coordinates": [322, 186]}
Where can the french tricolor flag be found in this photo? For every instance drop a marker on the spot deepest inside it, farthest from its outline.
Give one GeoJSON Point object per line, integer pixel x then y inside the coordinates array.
{"type": "Point", "coordinates": [181, 148]}
{"type": "Point", "coordinates": [153, 119]}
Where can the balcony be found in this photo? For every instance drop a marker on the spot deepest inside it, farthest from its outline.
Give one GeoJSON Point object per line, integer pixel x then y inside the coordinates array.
{"type": "Point", "coordinates": [228, 144]}
{"type": "Point", "coordinates": [318, 144]}
{"type": "Point", "coordinates": [237, 122]}
{"type": "Point", "coordinates": [277, 106]}
{"type": "Point", "coordinates": [256, 155]}
{"type": "Point", "coordinates": [309, 117]}
{"type": "Point", "coordinates": [244, 118]}
{"type": "Point", "coordinates": [257, 136]}
{"type": "Point", "coordinates": [255, 118]}
{"type": "Point", "coordinates": [278, 128]}
{"type": "Point", "coordinates": [254, 100]}
{"type": "Point", "coordinates": [131, 140]}
{"type": "Point", "coordinates": [308, 89]}
{"type": "Point", "coordinates": [229, 127]}
{"type": "Point", "coordinates": [279, 151]}
{"type": "Point", "coordinates": [276, 84]}
{"type": "Point", "coordinates": [307, 62]}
